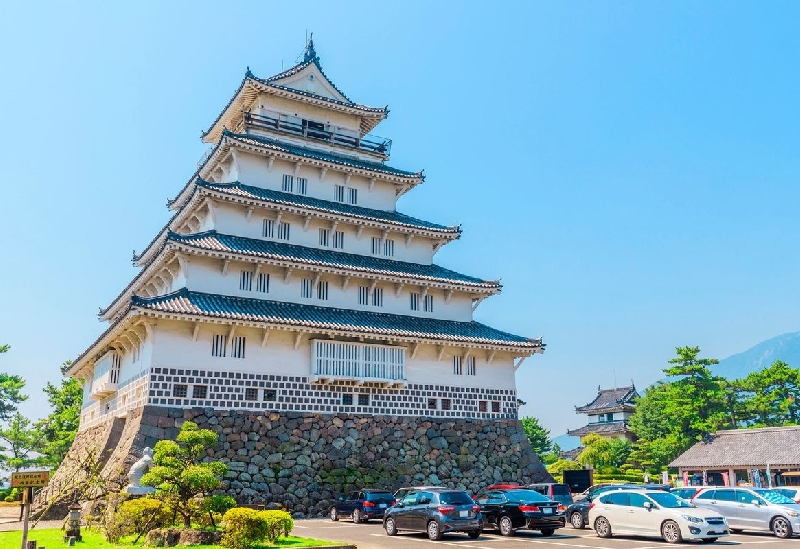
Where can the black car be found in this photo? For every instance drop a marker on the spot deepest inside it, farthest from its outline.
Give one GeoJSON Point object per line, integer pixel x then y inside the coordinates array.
{"type": "Point", "coordinates": [436, 511]}
{"type": "Point", "coordinates": [362, 505]}
{"type": "Point", "coordinates": [509, 509]}
{"type": "Point", "coordinates": [578, 513]}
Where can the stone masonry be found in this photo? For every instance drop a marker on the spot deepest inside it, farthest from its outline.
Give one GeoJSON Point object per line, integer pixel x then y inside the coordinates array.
{"type": "Point", "coordinates": [304, 461]}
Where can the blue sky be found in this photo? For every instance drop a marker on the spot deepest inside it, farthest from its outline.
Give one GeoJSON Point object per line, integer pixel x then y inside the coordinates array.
{"type": "Point", "coordinates": [628, 168]}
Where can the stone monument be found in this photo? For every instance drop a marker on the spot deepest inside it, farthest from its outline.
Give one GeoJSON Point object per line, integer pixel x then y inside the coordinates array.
{"type": "Point", "coordinates": [136, 473]}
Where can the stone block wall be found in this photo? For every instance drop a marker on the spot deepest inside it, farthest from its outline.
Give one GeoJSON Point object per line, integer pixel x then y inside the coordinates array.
{"type": "Point", "coordinates": [305, 461]}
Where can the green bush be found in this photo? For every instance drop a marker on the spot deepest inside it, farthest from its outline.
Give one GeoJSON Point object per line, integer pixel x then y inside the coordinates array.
{"type": "Point", "coordinates": [12, 495]}
{"type": "Point", "coordinates": [137, 517]}
{"type": "Point", "coordinates": [279, 523]}
{"type": "Point", "coordinates": [212, 508]}
{"type": "Point", "coordinates": [243, 528]}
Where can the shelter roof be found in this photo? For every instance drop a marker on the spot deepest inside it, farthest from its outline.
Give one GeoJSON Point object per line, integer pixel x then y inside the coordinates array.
{"type": "Point", "coordinates": [744, 448]}
{"type": "Point", "coordinates": [185, 302]}
{"type": "Point", "coordinates": [605, 428]}
{"type": "Point", "coordinates": [610, 399]}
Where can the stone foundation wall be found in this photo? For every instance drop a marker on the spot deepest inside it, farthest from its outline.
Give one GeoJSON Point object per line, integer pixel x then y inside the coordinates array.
{"type": "Point", "coordinates": [304, 461]}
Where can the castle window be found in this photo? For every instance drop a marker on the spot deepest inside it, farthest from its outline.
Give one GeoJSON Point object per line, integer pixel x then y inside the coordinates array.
{"type": "Point", "coordinates": [433, 404]}
{"type": "Point", "coordinates": [428, 304]}
{"type": "Point", "coordinates": [414, 301]}
{"type": "Point", "coordinates": [288, 184]}
{"type": "Point", "coordinates": [262, 283]}
{"type": "Point", "coordinates": [363, 400]}
{"type": "Point", "coordinates": [382, 247]}
{"type": "Point", "coordinates": [246, 281]}
{"type": "Point", "coordinates": [237, 347]}
{"type": "Point", "coordinates": [323, 237]}
{"type": "Point", "coordinates": [302, 185]}
{"type": "Point", "coordinates": [376, 245]}
{"type": "Point", "coordinates": [338, 239]}
{"type": "Point", "coordinates": [218, 345]}
{"type": "Point", "coordinates": [306, 286]}
{"type": "Point", "coordinates": [471, 366]}
{"type": "Point", "coordinates": [495, 406]}
{"type": "Point", "coordinates": [179, 390]}
{"type": "Point", "coordinates": [352, 196]}
{"type": "Point", "coordinates": [283, 231]}
{"type": "Point", "coordinates": [377, 297]}
{"type": "Point", "coordinates": [482, 406]}
{"type": "Point", "coordinates": [270, 395]}
{"type": "Point", "coordinates": [322, 290]}
{"type": "Point", "coordinates": [251, 393]}
{"type": "Point", "coordinates": [268, 228]}
{"type": "Point", "coordinates": [363, 295]}
{"type": "Point", "coordinates": [388, 247]}
{"type": "Point", "coordinates": [457, 367]}
{"type": "Point", "coordinates": [199, 391]}
{"type": "Point", "coordinates": [347, 400]}
{"type": "Point", "coordinates": [446, 404]}
{"type": "Point", "coordinates": [338, 193]}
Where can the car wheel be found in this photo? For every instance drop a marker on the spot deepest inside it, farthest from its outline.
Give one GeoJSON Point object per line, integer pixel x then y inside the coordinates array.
{"type": "Point", "coordinates": [475, 534]}
{"type": "Point", "coordinates": [602, 527]}
{"type": "Point", "coordinates": [434, 532]}
{"type": "Point", "coordinates": [390, 527]}
{"type": "Point", "coordinates": [671, 532]}
{"type": "Point", "coordinates": [505, 526]}
{"type": "Point", "coordinates": [781, 527]}
{"type": "Point", "coordinates": [576, 520]}
{"type": "Point", "coordinates": [708, 540]}
{"type": "Point", "coordinates": [357, 516]}
{"type": "Point", "coordinates": [547, 532]}
{"type": "Point", "coordinates": [334, 514]}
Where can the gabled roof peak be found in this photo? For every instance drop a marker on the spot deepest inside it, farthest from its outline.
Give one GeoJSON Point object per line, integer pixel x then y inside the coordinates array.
{"type": "Point", "coordinates": [310, 53]}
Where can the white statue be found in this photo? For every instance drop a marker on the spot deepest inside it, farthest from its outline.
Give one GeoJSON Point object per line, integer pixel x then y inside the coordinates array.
{"type": "Point", "coordinates": [136, 473]}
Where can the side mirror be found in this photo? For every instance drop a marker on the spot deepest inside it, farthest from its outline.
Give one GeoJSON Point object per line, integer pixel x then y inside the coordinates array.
{"type": "Point", "coordinates": [399, 504]}
{"type": "Point", "coordinates": [341, 498]}
{"type": "Point", "coordinates": [648, 505]}
{"type": "Point", "coordinates": [755, 502]}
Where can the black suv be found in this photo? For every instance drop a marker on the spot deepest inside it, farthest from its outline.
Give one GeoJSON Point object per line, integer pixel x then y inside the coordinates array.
{"type": "Point", "coordinates": [436, 511]}
{"type": "Point", "coordinates": [509, 509]}
{"type": "Point", "coordinates": [362, 505]}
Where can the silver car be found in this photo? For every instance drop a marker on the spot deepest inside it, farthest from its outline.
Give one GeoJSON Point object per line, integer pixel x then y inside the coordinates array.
{"type": "Point", "coordinates": [752, 509]}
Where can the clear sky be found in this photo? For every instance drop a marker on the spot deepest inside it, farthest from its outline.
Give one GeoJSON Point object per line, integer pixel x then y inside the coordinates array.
{"type": "Point", "coordinates": [628, 168]}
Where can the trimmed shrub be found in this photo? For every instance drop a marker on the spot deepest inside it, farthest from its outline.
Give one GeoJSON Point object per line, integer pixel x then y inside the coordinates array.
{"type": "Point", "coordinates": [243, 528]}
{"type": "Point", "coordinates": [279, 523]}
{"type": "Point", "coordinates": [212, 508]}
{"type": "Point", "coordinates": [137, 516]}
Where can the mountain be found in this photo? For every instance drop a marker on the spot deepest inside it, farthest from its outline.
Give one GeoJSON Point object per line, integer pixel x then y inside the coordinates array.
{"type": "Point", "coordinates": [567, 442]}
{"type": "Point", "coordinates": [785, 347]}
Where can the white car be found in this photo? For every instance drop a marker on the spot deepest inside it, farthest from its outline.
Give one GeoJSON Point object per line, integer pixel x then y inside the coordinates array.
{"type": "Point", "coordinates": [654, 513]}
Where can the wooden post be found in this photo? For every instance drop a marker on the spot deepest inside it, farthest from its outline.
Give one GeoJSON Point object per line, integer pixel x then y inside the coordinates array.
{"type": "Point", "coordinates": [28, 497]}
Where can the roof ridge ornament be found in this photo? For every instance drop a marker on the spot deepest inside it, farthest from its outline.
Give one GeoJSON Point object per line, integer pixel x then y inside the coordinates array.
{"type": "Point", "coordinates": [310, 53]}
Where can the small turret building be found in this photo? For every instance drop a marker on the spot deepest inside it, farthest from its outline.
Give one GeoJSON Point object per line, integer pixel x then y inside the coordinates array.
{"type": "Point", "coordinates": [608, 413]}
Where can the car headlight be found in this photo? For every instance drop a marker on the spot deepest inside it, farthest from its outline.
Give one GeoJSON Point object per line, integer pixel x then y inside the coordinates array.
{"type": "Point", "coordinates": [690, 518]}
{"type": "Point", "coordinates": [791, 513]}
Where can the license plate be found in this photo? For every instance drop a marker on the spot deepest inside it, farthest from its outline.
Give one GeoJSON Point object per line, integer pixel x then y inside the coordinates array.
{"type": "Point", "coordinates": [547, 510]}
{"type": "Point", "coordinates": [381, 505]}
{"type": "Point", "coordinates": [463, 513]}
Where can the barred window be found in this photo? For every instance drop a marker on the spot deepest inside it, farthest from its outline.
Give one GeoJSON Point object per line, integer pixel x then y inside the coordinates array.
{"type": "Point", "coordinates": [338, 193]}
{"type": "Point", "coordinates": [428, 304]}
{"type": "Point", "coordinates": [363, 295]}
{"type": "Point", "coordinates": [251, 393]}
{"type": "Point", "coordinates": [363, 400]}
{"type": "Point", "coordinates": [322, 290]}
{"type": "Point", "coordinates": [388, 247]}
{"type": "Point", "coordinates": [376, 245]}
{"type": "Point", "coordinates": [283, 231]}
{"type": "Point", "coordinates": [495, 406]}
{"type": "Point", "coordinates": [302, 185]}
{"type": "Point", "coordinates": [179, 390]}
{"type": "Point", "coordinates": [306, 285]}
{"type": "Point", "coordinates": [414, 301]}
{"type": "Point", "coordinates": [270, 395]}
{"type": "Point", "coordinates": [323, 237]}
{"type": "Point", "coordinates": [471, 366]}
{"type": "Point", "coordinates": [237, 347]}
{"type": "Point", "coordinates": [482, 406]}
{"type": "Point", "coordinates": [288, 183]}
{"type": "Point", "coordinates": [338, 239]}
{"type": "Point", "coordinates": [246, 281]}
{"type": "Point", "coordinates": [262, 283]}
{"type": "Point", "coordinates": [352, 196]}
{"type": "Point", "coordinates": [199, 391]}
{"type": "Point", "coordinates": [457, 366]}
{"type": "Point", "coordinates": [347, 400]}
{"type": "Point", "coordinates": [446, 404]}
{"type": "Point", "coordinates": [268, 228]}
{"type": "Point", "coordinates": [433, 404]}
{"type": "Point", "coordinates": [219, 343]}
{"type": "Point", "coordinates": [377, 297]}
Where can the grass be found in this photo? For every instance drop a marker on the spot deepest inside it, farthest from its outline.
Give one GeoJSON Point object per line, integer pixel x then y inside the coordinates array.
{"type": "Point", "coordinates": [52, 539]}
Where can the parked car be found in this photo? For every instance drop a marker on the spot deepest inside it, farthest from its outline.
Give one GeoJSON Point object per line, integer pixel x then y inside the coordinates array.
{"type": "Point", "coordinates": [752, 509]}
{"type": "Point", "coordinates": [578, 513]}
{"type": "Point", "coordinates": [685, 492]}
{"type": "Point", "coordinates": [362, 505]}
{"type": "Point", "coordinates": [510, 509]}
{"type": "Point", "coordinates": [436, 511]}
{"type": "Point", "coordinates": [789, 492]}
{"type": "Point", "coordinates": [403, 492]}
{"type": "Point", "coordinates": [654, 513]}
{"type": "Point", "coordinates": [555, 491]}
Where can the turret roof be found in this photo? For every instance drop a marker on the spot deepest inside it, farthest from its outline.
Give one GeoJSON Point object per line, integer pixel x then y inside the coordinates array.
{"type": "Point", "coordinates": [608, 399]}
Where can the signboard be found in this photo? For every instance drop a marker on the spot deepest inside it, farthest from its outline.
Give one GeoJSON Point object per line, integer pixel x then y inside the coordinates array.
{"type": "Point", "coordinates": [29, 479]}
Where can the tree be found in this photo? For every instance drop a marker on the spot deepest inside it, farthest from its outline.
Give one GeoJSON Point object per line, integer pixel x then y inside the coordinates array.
{"type": "Point", "coordinates": [179, 475]}
{"type": "Point", "coordinates": [769, 397]}
{"type": "Point", "coordinates": [596, 451]}
{"type": "Point", "coordinates": [4, 348]}
{"type": "Point", "coordinates": [10, 395]}
{"type": "Point", "coordinates": [23, 442]}
{"type": "Point", "coordinates": [60, 426]}
{"type": "Point", "coordinates": [619, 451]}
{"type": "Point", "coordinates": [538, 436]}
{"type": "Point", "coordinates": [563, 465]}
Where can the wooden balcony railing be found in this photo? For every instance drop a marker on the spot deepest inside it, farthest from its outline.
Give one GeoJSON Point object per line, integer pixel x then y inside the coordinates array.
{"type": "Point", "coordinates": [334, 360]}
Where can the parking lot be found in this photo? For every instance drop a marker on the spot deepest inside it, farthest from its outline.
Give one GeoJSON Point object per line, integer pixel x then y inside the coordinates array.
{"type": "Point", "coordinates": [371, 536]}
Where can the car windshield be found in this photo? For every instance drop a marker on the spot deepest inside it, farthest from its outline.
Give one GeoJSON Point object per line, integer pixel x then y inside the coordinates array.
{"type": "Point", "coordinates": [455, 498]}
{"type": "Point", "coordinates": [525, 495]}
{"type": "Point", "coordinates": [376, 496]}
{"type": "Point", "coordinates": [667, 500]}
{"type": "Point", "coordinates": [774, 497]}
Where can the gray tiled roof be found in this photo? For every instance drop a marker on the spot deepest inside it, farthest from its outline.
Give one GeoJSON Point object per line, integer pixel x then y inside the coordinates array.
{"type": "Point", "coordinates": [270, 195]}
{"type": "Point", "coordinates": [744, 448]}
{"type": "Point", "coordinates": [331, 318]}
{"type": "Point", "coordinates": [211, 240]}
{"type": "Point", "coordinates": [608, 399]}
{"type": "Point", "coordinates": [600, 428]}
{"type": "Point", "coordinates": [325, 156]}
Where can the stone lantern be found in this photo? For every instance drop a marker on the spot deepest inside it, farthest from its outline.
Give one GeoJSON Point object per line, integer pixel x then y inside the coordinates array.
{"type": "Point", "coordinates": [73, 523]}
